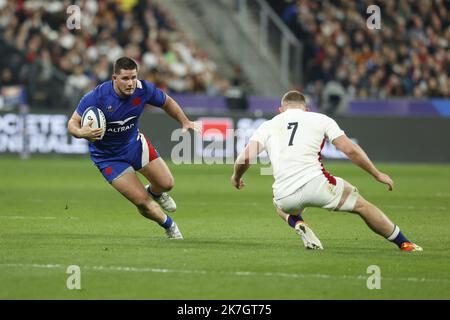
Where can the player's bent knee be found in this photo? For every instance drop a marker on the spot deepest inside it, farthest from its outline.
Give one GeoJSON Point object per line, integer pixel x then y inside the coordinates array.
{"type": "Point", "coordinates": [351, 201]}
{"type": "Point", "coordinates": [167, 184]}
{"type": "Point", "coordinates": [361, 205]}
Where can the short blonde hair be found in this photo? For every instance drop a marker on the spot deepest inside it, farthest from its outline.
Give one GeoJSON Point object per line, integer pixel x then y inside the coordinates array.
{"type": "Point", "coordinates": [293, 97]}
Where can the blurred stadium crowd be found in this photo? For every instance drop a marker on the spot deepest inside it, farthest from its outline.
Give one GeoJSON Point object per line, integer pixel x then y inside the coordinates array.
{"type": "Point", "coordinates": [140, 29]}
{"type": "Point", "coordinates": [408, 56]}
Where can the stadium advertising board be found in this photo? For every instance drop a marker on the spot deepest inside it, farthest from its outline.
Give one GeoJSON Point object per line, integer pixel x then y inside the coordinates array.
{"type": "Point", "coordinates": [223, 137]}
{"type": "Point", "coordinates": [399, 139]}
{"type": "Point", "coordinates": [221, 140]}
{"type": "Point", "coordinates": [38, 133]}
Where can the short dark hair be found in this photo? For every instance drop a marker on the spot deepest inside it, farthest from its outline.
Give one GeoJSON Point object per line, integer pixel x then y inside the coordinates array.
{"type": "Point", "coordinates": [293, 97]}
{"type": "Point", "coordinates": [124, 63]}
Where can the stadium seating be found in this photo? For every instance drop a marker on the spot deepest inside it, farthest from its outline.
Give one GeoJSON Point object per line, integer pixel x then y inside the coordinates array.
{"type": "Point", "coordinates": [109, 29]}
{"type": "Point", "coordinates": [408, 57]}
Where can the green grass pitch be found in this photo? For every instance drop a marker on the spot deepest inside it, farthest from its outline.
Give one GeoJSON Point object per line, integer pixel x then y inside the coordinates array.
{"type": "Point", "coordinates": [56, 212]}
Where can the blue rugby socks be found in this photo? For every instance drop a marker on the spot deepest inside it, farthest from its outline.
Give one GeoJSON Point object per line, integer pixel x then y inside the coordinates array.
{"type": "Point", "coordinates": [293, 220]}
{"type": "Point", "coordinates": [397, 237]}
{"type": "Point", "coordinates": [168, 223]}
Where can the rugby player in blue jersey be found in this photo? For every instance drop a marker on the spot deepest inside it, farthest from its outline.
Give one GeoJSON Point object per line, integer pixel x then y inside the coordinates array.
{"type": "Point", "coordinates": [124, 150]}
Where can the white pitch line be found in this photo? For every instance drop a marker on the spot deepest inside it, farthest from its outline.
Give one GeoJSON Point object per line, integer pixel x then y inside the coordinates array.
{"type": "Point", "coordinates": [237, 273]}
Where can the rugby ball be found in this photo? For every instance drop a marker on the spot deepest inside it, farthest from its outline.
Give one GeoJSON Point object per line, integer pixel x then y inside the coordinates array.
{"type": "Point", "coordinates": [96, 115]}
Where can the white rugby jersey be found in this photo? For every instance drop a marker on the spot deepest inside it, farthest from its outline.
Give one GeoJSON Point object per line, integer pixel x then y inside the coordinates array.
{"type": "Point", "coordinates": [293, 140]}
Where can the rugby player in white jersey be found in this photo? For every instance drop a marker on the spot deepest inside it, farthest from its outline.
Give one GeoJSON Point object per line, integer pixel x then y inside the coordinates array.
{"type": "Point", "coordinates": [293, 140]}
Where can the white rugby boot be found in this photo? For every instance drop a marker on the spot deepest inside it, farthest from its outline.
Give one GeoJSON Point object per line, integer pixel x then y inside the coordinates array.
{"type": "Point", "coordinates": [308, 237]}
{"type": "Point", "coordinates": [173, 232]}
{"type": "Point", "coordinates": [165, 201]}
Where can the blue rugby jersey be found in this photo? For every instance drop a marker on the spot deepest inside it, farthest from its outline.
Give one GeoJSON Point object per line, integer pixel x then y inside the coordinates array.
{"type": "Point", "coordinates": [122, 115]}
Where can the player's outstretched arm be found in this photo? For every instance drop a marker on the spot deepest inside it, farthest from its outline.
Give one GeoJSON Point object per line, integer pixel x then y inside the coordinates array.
{"type": "Point", "coordinates": [357, 155]}
{"type": "Point", "coordinates": [243, 162]}
{"type": "Point", "coordinates": [75, 129]}
{"type": "Point", "coordinates": [172, 108]}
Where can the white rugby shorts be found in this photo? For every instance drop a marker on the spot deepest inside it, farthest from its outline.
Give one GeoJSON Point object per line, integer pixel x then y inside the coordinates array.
{"type": "Point", "coordinates": [318, 192]}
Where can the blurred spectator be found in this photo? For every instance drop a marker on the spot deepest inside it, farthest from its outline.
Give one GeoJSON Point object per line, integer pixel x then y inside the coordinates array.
{"type": "Point", "coordinates": [333, 98]}
{"type": "Point", "coordinates": [408, 56]}
{"type": "Point", "coordinates": [77, 83]}
{"type": "Point", "coordinates": [236, 96]}
{"type": "Point", "coordinates": [6, 78]}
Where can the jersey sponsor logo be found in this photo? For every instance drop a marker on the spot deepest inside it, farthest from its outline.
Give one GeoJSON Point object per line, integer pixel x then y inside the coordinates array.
{"type": "Point", "coordinates": [122, 122]}
{"type": "Point", "coordinates": [121, 129]}
{"type": "Point", "coordinates": [122, 125]}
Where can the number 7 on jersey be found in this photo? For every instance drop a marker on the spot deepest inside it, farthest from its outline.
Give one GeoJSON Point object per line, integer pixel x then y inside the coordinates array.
{"type": "Point", "coordinates": [294, 126]}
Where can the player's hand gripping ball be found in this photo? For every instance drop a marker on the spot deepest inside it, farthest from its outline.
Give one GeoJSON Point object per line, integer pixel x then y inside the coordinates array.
{"type": "Point", "coordinates": [97, 116]}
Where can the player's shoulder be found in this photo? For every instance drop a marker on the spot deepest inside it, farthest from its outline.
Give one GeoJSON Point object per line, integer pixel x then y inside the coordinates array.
{"type": "Point", "coordinates": [100, 91]}
{"type": "Point", "coordinates": [266, 124]}
{"type": "Point", "coordinates": [318, 116]}
{"type": "Point", "coordinates": [299, 115]}
{"type": "Point", "coordinates": [144, 85]}
{"type": "Point", "coordinates": [103, 89]}
{"type": "Point", "coordinates": [92, 98]}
